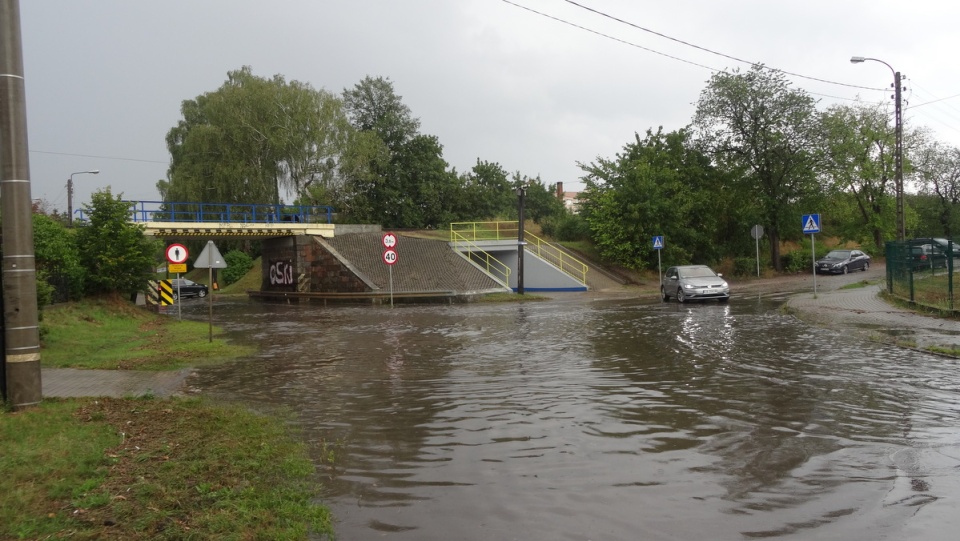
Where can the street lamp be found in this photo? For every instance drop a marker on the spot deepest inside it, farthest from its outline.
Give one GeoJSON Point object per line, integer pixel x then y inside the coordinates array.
{"type": "Point", "coordinates": [898, 150]}
{"type": "Point", "coordinates": [70, 193]}
{"type": "Point", "coordinates": [521, 194]}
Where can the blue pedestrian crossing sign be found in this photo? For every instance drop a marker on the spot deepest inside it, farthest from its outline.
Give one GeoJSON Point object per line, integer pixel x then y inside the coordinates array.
{"type": "Point", "coordinates": [811, 223]}
{"type": "Point", "coordinates": [658, 242]}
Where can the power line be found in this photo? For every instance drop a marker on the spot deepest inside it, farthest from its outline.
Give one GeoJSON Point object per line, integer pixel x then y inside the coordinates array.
{"type": "Point", "coordinates": [95, 156]}
{"type": "Point", "coordinates": [704, 49]}
{"type": "Point", "coordinates": [638, 27]}
{"type": "Point", "coordinates": [601, 34]}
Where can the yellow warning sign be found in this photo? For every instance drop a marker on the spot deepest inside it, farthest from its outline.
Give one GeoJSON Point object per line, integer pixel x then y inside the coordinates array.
{"type": "Point", "coordinates": [177, 268]}
{"type": "Point", "coordinates": [166, 293]}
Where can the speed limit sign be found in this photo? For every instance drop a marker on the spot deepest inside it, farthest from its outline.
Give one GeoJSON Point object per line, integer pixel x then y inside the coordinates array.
{"type": "Point", "coordinates": [389, 256]}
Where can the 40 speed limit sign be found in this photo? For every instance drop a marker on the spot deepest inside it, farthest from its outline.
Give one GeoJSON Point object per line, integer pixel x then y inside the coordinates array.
{"type": "Point", "coordinates": [390, 256]}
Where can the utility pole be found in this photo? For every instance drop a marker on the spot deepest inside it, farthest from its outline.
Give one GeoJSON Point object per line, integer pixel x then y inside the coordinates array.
{"type": "Point", "coordinates": [21, 336]}
{"type": "Point", "coordinates": [898, 155]}
{"type": "Point", "coordinates": [898, 148]}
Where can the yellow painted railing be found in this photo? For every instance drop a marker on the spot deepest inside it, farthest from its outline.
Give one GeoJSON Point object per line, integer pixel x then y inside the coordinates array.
{"type": "Point", "coordinates": [480, 231]}
{"type": "Point", "coordinates": [494, 267]}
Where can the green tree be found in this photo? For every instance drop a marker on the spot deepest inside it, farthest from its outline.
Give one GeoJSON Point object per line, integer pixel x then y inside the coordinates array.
{"type": "Point", "coordinates": [117, 256]}
{"type": "Point", "coordinates": [937, 172]}
{"type": "Point", "coordinates": [765, 133]}
{"type": "Point", "coordinates": [372, 105]}
{"type": "Point", "coordinates": [858, 147]}
{"type": "Point", "coordinates": [57, 260]}
{"type": "Point", "coordinates": [254, 140]}
{"type": "Point", "coordinates": [659, 185]}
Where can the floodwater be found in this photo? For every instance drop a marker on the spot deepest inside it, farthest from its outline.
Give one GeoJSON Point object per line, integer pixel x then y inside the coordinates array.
{"type": "Point", "coordinates": [578, 419]}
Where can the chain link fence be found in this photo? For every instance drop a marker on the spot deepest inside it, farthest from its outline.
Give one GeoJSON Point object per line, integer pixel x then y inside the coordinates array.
{"type": "Point", "coordinates": [922, 272]}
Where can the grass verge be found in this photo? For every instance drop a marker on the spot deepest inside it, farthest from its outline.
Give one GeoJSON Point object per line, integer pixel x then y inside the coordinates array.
{"type": "Point", "coordinates": [153, 469]}
{"type": "Point", "coordinates": [111, 333]}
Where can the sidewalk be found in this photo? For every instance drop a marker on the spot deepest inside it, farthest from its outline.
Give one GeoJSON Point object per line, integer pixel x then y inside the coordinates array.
{"type": "Point", "coordinates": [70, 382]}
{"type": "Point", "coordinates": [863, 311]}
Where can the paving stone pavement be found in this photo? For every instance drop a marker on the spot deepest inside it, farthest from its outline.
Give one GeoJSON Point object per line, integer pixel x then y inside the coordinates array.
{"type": "Point", "coordinates": [862, 310]}
{"type": "Point", "coordinates": [71, 382]}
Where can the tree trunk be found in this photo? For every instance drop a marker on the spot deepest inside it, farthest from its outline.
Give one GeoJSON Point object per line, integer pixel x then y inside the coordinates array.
{"type": "Point", "coordinates": [775, 250]}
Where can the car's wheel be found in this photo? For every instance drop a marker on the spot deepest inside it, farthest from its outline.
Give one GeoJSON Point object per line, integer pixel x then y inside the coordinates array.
{"type": "Point", "coordinates": [845, 269]}
{"type": "Point", "coordinates": [663, 294]}
{"type": "Point", "coordinates": [202, 293]}
{"type": "Point", "coordinates": [680, 296]}
{"type": "Point", "coordinates": [866, 266]}
{"type": "Point", "coordinates": [176, 297]}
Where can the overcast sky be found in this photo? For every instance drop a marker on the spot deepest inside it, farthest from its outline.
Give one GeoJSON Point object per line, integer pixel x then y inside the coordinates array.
{"type": "Point", "coordinates": [105, 79]}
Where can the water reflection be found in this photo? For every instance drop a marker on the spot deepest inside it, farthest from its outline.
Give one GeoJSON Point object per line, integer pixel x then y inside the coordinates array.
{"type": "Point", "coordinates": [588, 420]}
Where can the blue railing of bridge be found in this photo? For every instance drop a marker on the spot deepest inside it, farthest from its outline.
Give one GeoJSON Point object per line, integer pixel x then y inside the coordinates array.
{"type": "Point", "coordinates": [192, 212]}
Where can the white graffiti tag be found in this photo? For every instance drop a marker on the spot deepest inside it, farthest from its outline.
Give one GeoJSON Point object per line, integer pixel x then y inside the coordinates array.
{"type": "Point", "coordinates": [281, 273]}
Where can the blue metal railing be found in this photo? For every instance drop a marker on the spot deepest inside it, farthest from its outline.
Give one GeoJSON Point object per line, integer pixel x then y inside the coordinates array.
{"type": "Point", "coordinates": [167, 211]}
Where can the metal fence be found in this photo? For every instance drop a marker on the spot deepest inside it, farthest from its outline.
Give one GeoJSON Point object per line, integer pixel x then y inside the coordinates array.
{"type": "Point", "coordinates": [922, 272]}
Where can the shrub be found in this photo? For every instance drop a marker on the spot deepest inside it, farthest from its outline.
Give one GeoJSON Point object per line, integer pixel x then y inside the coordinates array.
{"type": "Point", "coordinates": [566, 227]}
{"type": "Point", "coordinates": [744, 266]}
{"type": "Point", "coordinates": [238, 264]}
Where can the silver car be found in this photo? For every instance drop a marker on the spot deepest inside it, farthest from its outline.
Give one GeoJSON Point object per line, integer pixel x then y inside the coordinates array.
{"type": "Point", "coordinates": [690, 282]}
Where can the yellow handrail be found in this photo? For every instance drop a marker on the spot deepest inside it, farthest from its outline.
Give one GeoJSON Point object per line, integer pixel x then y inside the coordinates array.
{"type": "Point", "coordinates": [476, 231]}
{"type": "Point", "coordinates": [493, 266]}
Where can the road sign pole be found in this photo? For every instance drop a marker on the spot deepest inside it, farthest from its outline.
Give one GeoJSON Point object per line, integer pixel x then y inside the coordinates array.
{"type": "Point", "coordinates": [391, 285]}
{"type": "Point", "coordinates": [179, 300]}
{"type": "Point", "coordinates": [758, 257]}
{"type": "Point", "coordinates": [210, 281]}
{"type": "Point", "coordinates": [813, 257]}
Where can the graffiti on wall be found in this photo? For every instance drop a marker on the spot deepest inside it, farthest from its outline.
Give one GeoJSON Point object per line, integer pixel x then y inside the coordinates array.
{"type": "Point", "coordinates": [281, 273]}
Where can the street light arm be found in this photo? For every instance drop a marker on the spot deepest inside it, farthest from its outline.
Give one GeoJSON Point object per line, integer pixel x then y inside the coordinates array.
{"type": "Point", "coordinates": [862, 59]}
{"type": "Point", "coordinates": [70, 192]}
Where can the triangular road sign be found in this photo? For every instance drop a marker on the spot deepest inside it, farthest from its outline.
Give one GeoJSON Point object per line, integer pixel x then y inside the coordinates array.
{"type": "Point", "coordinates": [210, 258]}
{"type": "Point", "coordinates": [657, 242]}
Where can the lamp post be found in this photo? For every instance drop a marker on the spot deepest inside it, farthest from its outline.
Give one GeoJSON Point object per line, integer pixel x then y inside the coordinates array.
{"type": "Point", "coordinates": [70, 193]}
{"type": "Point", "coordinates": [898, 149]}
{"type": "Point", "coordinates": [521, 194]}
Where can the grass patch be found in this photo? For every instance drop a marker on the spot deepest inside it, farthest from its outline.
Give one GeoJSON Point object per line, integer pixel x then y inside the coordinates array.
{"type": "Point", "coordinates": [952, 351]}
{"type": "Point", "coordinates": [153, 469]}
{"type": "Point", "coordinates": [250, 281]}
{"type": "Point", "coordinates": [112, 333]}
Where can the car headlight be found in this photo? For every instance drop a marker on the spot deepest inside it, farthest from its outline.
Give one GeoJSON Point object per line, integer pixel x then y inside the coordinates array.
{"type": "Point", "coordinates": [724, 285]}
{"type": "Point", "coordinates": [688, 286]}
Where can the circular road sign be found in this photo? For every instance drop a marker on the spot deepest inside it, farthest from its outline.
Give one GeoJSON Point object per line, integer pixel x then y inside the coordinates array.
{"type": "Point", "coordinates": [756, 232]}
{"type": "Point", "coordinates": [389, 240]}
{"type": "Point", "coordinates": [389, 256]}
{"type": "Point", "coordinates": [177, 253]}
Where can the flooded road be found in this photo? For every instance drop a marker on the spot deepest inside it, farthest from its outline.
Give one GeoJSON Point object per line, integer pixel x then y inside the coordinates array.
{"type": "Point", "coordinates": [594, 420]}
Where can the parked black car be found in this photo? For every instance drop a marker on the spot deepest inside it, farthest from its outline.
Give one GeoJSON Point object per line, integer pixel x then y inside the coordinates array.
{"type": "Point", "coordinates": [188, 288]}
{"type": "Point", "coordinates": [842, 262]}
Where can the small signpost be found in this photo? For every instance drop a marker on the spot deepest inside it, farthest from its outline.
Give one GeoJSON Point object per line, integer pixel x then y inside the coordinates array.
{"type": "Point", "coordinates": [390, 257]}
{"type": "Point", "coordinates": [177, 257]}
{"type": "Point", "coordinates": [658, 245]}
{"type": "Point", "coordinates": [811, 225]}
{"type": "Point", "coordinates": [756, 232]}
{"type": "Point", "coordinates": [210, 259]}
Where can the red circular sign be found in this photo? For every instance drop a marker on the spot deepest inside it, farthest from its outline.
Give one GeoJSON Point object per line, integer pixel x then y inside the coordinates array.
{"type": "Point", "coordinates": [390, 256]}
{"type": "Point", "coordinates": [389, 240]}
{"type": "Point", "coordinates": [176, 253]}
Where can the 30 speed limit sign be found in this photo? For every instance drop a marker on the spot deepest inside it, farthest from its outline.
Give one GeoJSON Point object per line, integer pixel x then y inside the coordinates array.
{"type": "Point", "coordinates": [389, 256]}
